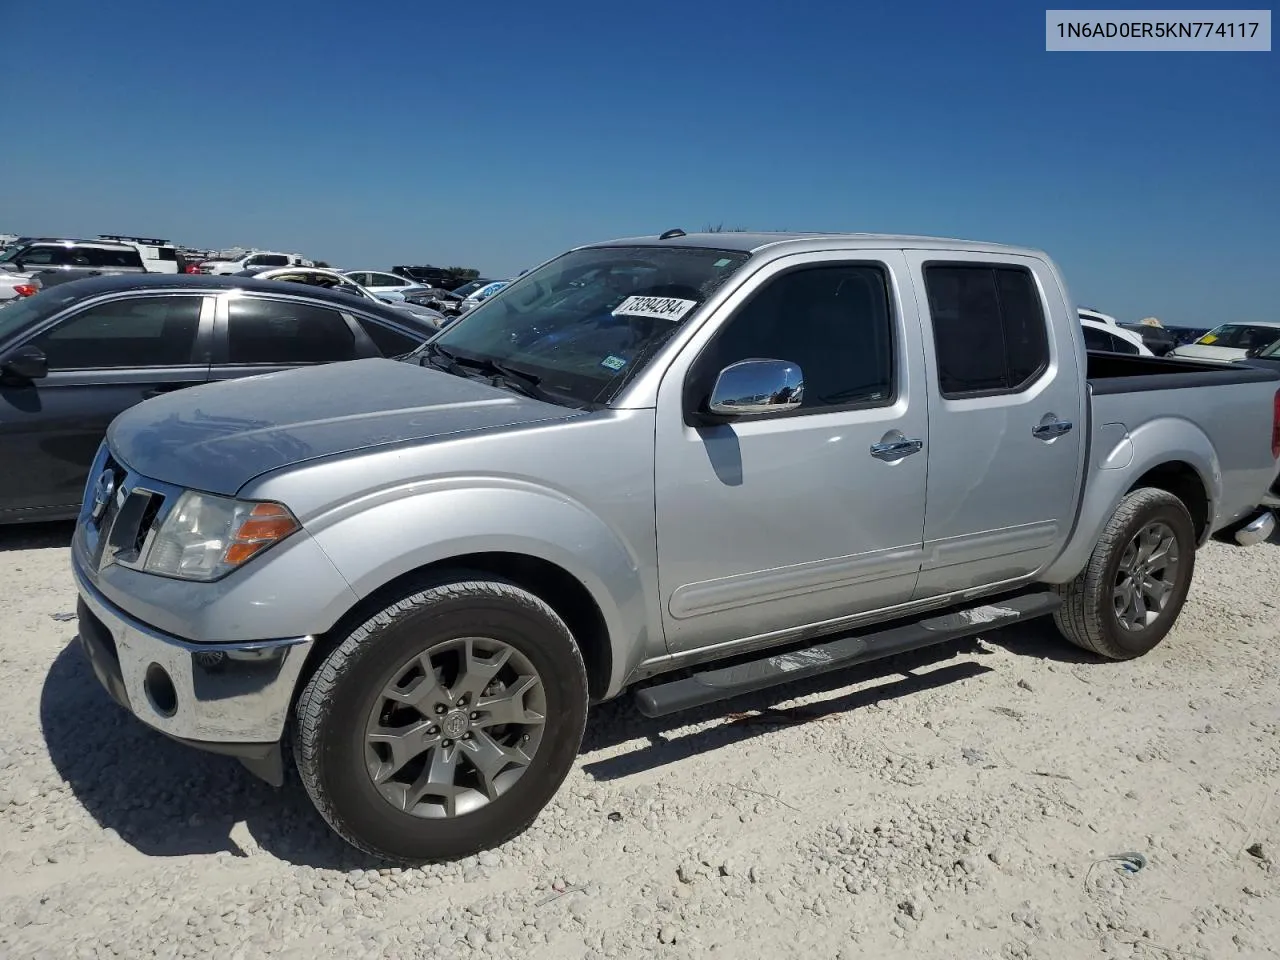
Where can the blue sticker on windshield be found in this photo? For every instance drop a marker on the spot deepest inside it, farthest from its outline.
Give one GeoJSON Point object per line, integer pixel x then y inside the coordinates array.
{"type": "Point", "coordinates": [613, 363]}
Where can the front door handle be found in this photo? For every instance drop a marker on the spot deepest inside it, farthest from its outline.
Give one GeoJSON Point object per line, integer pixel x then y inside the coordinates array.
{"type": "Point", "coordinates": [896, 449]}
{"type": "Point", "coordinates": [1051, 429]}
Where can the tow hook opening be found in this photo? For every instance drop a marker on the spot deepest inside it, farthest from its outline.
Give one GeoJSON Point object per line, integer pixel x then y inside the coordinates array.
{"type": "Point", "coordinates": [160, 690]}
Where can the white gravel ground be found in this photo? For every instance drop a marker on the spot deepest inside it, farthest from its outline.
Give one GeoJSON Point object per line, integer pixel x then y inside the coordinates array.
{"type": "Point", "coordinates": [953, 804]}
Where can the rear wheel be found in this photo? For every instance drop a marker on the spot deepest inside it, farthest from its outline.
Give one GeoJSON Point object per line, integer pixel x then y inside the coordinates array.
{"type": "Point", "coordinates": [444, 724]}
{"type": "Point", "coordinates": [1130, 593]}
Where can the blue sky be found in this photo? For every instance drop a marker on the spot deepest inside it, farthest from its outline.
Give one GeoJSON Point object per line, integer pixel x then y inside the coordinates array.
{"type": "Point", "coordinates": [496, 135]}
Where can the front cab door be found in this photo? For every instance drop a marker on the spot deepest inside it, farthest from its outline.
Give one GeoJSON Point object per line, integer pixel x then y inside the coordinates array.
{"type": "Point", "coordinates": [102, 359]}
{"type": "Point", "coordinates": [782, 524]}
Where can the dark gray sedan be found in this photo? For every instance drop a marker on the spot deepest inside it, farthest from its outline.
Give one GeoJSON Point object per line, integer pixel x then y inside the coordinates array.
{"type": "Point", "coordinates": [74, 356]}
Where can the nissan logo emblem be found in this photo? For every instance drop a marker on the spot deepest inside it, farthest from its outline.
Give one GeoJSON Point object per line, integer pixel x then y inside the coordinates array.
{"type": "Point", "coordinates": [103, 489]}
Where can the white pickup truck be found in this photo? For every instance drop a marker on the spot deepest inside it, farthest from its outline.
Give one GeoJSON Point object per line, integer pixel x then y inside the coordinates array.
{"type": "Point", "coordinates": [686, 466]}
{"type": "Point", "coordinates": [256, 260]}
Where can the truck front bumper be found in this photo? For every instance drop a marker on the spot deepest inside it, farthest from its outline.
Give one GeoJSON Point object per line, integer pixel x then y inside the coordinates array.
{"type": "Point", "coordinates": [227, 698]}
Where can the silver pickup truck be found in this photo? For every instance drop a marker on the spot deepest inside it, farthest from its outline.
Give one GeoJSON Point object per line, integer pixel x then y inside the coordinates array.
{"type": "Point", "coordinates": [687, 466]}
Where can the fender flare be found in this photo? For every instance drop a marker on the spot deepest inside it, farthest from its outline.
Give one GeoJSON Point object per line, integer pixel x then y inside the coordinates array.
{"type": "Point", "coordinates": [382, 536]}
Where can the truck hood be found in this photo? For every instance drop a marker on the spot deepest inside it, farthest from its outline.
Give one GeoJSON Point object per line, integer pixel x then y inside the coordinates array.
{"type": "Point", "coordinates": [219, 436]}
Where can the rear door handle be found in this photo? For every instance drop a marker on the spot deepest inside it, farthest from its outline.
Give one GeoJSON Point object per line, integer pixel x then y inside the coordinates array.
{"type": "Point", "coordinates": [1051, 429]}
{"type": "Point", "coordinates": [896, 449]}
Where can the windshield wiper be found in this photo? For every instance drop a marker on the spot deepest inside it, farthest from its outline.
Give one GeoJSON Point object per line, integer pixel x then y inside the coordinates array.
{"type": "Point", "coordinates": [441, 359]}
{"type": "Point", "coordinates": [519, 380]}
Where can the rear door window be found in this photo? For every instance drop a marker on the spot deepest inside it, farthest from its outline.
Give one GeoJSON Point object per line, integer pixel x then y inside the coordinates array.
{"type": "Point", "coordinates": [389, 341]}
{"type": "Point", "coordinates": [1095, 339]}
{"type": "Point", "coordinates": [282, 332]}
{"type": "Point", "coordinates": [97, 257]}
{"type": "Point", "coordinates": [268, 260]}
{"type": "Point", "coordinates": [989, 328]}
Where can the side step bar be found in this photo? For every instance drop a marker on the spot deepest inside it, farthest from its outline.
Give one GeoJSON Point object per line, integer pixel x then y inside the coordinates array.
{"type": "Point", "coordinates": [708, 686]}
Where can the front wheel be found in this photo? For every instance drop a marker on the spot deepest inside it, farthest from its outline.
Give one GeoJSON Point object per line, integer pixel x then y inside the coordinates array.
{"type": "Point", "coordinates": [444, 724]}
{"type": "Point", "coordinates": [1131, 591]}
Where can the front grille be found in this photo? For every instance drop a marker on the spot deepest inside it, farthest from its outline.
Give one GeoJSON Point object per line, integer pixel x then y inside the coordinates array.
{"type": "Point", "coordinates": [121, 511]}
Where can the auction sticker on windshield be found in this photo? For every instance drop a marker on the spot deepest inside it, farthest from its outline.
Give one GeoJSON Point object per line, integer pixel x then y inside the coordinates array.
{"type": "Point", "coordinates": [664, 308]}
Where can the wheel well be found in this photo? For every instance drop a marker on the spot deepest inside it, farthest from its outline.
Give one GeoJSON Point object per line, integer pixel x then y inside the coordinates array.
{"type": "Point", "coordinates": [1182, 480]}
{"type": "Point", "coordinates": [558, 588]}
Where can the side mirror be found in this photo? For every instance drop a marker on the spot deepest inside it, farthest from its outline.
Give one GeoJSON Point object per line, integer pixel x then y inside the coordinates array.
{"type": "Point", "coordinates": [25, 363]}
{"type": "Point", "coordinates": [1252, 352]}
{"type": "Point", "coordinates": [751, 388]}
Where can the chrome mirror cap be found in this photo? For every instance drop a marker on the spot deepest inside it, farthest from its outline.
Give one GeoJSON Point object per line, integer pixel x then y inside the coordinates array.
{"type": "Point", "coordinates": [755, 387]}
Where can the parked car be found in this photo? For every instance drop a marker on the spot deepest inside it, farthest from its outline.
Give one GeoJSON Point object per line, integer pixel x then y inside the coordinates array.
{"type": "Point", "coordinates": [446, 302]}
{"type": "Point", "coordinates": [427, 275]}
{"type": "Point", "coordinates": [13, 287]}
{"type": "Point", "coordinates": [478, 296]}
{"type": "Point", "coordinates": [386, 285]}
{"type": "Point", "coordinates": [158, 256]}
{"type": "Point", "coordinates": [692, 482]}
{"type": "Point", "coordinates": [1228, 342]}
{"type": "Point", "coordinates": [74, 356]}
{"type": "Point", "coordinates": [467, 289]}
{"type": "Point", "coordinates": [257, 260]}
{"type": "Point", "coordinates": [52, 260]}
{"type": "Point", "coordinates": [1112, 338]}
{"type": "Point", "coordinates": [340, 283]}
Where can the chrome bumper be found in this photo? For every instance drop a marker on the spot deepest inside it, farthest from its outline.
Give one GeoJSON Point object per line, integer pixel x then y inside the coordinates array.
{"type": "Point", "coordinates": [1257, 530]}
{"type": "Point", "coordinates": [204, 693]}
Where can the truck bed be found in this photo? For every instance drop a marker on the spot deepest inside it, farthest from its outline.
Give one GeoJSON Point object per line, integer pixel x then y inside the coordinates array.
{"type": "Point", "coordinates": [1110, 373]}
{"type": "Point", "coordinates": [1132, 395]}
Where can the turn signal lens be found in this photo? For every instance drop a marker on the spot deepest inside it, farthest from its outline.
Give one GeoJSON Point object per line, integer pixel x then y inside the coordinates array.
{"type": "Point", "coordinates": [266, 523]}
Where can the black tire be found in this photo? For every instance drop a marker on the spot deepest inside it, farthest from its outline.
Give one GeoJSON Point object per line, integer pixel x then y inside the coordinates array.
{"type": "Point", "coordinates": [1088, 617]}
{"type": "Point", "coordinates": [332, 711]}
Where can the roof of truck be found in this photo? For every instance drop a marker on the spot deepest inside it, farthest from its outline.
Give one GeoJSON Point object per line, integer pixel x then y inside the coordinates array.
{"type": "Point", "coordinates": [755, 241]}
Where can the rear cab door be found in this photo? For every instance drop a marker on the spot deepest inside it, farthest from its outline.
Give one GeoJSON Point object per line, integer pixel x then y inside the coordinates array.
{"type": "Point", "coordinates": [1008, 417]}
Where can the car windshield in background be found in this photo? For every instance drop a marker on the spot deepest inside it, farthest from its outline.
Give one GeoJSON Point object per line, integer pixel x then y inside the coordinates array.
{"type": "Point", "coordinates": [586, 322]}
{"type": "Point", "coordinates": [31, 310]}
{"type": "Point", "coordinates": [1239, 336]}
{"type": "Point", "coordinates": [10, 254]}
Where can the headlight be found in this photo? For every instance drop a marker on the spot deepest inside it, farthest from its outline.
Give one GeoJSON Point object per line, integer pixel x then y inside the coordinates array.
{"type": "Point", "coordinates": [206, 537]}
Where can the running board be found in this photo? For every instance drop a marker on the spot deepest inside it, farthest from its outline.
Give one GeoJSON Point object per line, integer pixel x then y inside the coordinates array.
{"type": "Point", "coordinates": [708, 686]}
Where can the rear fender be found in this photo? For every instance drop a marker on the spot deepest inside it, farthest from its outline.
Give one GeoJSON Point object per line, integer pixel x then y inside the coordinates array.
{"type": "Point", "coordinates": [1117, 467]}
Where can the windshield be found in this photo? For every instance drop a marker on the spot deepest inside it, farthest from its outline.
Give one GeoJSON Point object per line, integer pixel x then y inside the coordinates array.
{"type": "Point", "coordinates": [10, 254]}
{"type": "Point", "coordinates": [1240, 336]}
{"type": "Point", "coordinates": [30, 311]}
{"type": "Point", "coordinates": [587, 322]}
